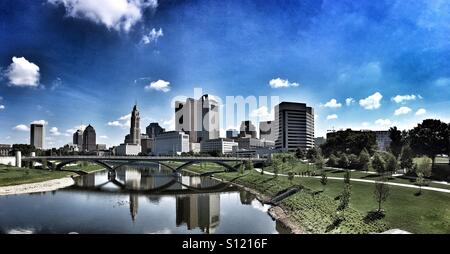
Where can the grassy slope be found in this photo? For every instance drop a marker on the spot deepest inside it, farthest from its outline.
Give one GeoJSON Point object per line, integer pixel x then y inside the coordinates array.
{"type": "Point", "coordinates": [428, 213]}
{"type": "Point", "coordinates": [16, 176]}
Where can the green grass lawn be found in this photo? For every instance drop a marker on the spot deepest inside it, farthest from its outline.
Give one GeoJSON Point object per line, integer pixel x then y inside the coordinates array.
{"type": "Point", "coordinates": [16, 176]}
{"type": "Point", "coordinates": [88, 168]}
{"type": "Point", "coordinates": [427, 213]}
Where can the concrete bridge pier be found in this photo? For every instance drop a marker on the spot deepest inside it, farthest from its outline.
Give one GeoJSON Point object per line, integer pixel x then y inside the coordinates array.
{"type": "Point", "coordinates": [18, 159]}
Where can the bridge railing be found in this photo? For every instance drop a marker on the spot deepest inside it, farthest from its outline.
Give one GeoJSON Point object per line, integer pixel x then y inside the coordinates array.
{"type": "Point", "coordinates": [176, 158]}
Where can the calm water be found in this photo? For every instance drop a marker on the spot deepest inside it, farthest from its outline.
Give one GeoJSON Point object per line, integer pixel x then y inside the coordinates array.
{"type": "Point", "coordinates": [141, 199]}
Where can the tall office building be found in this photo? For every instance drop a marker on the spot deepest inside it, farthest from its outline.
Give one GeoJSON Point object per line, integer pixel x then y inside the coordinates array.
{"type": "Point", "coordinates": [294, 126]}
{"type": "Point", "coordinates": [265, 131]}
{"type": "Point", "coordinates": [89, 139]}
{"type": "Point", "coordinates": [198, 118]}
{"type": "Point", "coordinates": [135, 131]}
{"type": "Point", "coordinates": [37, 136]}
{"type": "Point", "coordinates": [232, 133]}
{"type": "Point", "coordinates": [153, 130]}
{"type": "Point", "coordinates": [247, 130]}
{"type": "Point", "coordinates": [78, 138]}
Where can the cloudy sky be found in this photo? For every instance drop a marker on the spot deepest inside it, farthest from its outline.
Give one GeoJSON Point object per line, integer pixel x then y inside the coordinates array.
{"type": "Point", "coordinates": [360, 64]}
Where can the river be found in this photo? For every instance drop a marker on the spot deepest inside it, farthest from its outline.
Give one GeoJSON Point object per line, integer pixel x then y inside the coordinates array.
{"type": "Point", "coordinates": [142, 199]}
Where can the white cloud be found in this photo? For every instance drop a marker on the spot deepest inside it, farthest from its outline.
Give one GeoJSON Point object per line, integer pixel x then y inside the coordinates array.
{"type": "Point", "coordinates": [152, 36]}
{"type": "Point", "coordinates": [333, 104]}
{"type": "Point", "coordinates": [159, 85]}
{"type": "Point", "coordinates": [371, 102]}
{"type": "Point", "coordinates": [21, 127]}
{"type": "Point", "coordinates": [402, 98]}
{"type": "Point", "coordinates": [169, 124]}
{"type": "Point", "coordinates": [349, 101]}
{"type": "Point", "coordinates": [75, 128]}
{"type": "Point", "coordinates": [119, 15]}
{"type": "Point", "coordinates": [421, 112]}
{"type": "Point", "coordinates": [402, 111]}
{"type": "Point", "coordinates": [123, 122]}
{"type": "Point", "coordinates": [280, 83]}
{"type": "Point", "coordinates": [262, 114]}
{"type": "Point", "coordinates": [43, 122]}
{"type": "Point", "coordinates": [54, 131]}
{"type": "Point", "coordinates": [125, 117]}
{"type": "Point", "coordinates": [22, 73]}
{"type": "Point", "coordinates": [332, 117]}
{"type": "Point", "coordinates": [104, 137]}
{"type": "Point", "coordinates": [383, 122]}
{"type": "Point", "coordinates": [2, 107]}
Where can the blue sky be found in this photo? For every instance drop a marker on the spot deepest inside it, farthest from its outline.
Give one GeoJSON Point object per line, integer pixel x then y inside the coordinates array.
{"type": "Point", "coordinates": [72, 62]}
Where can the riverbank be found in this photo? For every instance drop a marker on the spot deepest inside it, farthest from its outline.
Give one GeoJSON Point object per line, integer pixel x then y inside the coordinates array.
{"type": "Point", "coordinates": [14, 181]}
{"type": "Point", "coordinates": [276, 212]}
{"type": "Point", "coordinates": [44, 186]}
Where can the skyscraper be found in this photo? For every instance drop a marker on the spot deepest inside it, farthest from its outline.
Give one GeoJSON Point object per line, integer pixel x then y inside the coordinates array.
{"type": "Point", "coordinates": [78, 138]}
{"type": "Point", "coordinates": [89, 139]}
{"type": "Point", "coordinates": [198, 118]}
{"type": "Point", "coordinates": [153, 130]}
{"type": "Point", "coordinates": [294, 126]}
{"type": "Point", "coordinates": [37, 136]}
{"type": "Point", "coordinates": [135, 131]}
{"type": "Point", "coordinates": [247, 130]}
{"type": "Point", "coordinates": [265, 131]}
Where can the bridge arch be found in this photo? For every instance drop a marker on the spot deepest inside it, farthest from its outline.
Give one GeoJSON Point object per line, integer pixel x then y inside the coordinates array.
{"type": "Point", "coordinates": [98, 162]}
{"type": "Point", "coordinates": [135, 161]}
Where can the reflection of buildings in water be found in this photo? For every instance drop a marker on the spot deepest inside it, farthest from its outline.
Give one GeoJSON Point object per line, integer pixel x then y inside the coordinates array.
{"type": "Point", "coordinates": [246, 197]}
{"type": "Point", "coordinates": [154, 199]}
{"type": "Point", "coordinates": [85, 180]}
{"type": "Point", "coordinates": [198, 211]}
{"type": "Point", "coordinates": [134, 205]}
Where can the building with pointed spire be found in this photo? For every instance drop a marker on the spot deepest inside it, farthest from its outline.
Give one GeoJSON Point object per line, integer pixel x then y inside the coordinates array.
{"type": "Point", "coordinates": [135, 131]}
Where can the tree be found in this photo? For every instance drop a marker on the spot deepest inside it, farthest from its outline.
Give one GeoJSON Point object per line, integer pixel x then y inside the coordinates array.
{"type": "Point", "coordinates": [353, 161]}
{"type": "Point", "coordinates": [423, 169]}
{"type": "Point", "coordinates": [381, 193]}
{"type": "Point", "coordinates": [319, 162]}
{"type": "Point", "coordinates": [406, 158]}
{"type": "Point", "coordinates": [347, 176]}
{"type": "Point", "coordinates": [323, 179]}
{"type": "Point", "coordinates": [345, 197]}
{"type": "Point", "coordinates": [430, 138]}
{"type": "Point", "coordinates": [311, 154]}
{"type": "Point", "coordinates": [290, 176]}
{"type": "Point", "coordinates": [300, 153]}
{"type": "Point", "coordinates": [391, 163]}
{"type": "Point", "coordinates": [349, 141]}
{"type": "Point", "coordinates": [364, 160]}
{"type": "Point", "coordinates": [396, 141]}
{"type": "Point", "coordinates": [276, 168]}
{"type": "Point", "coordinates": [333, 161]}
{"type": "Point", "coordinates": [344, 161]}
{"type": "Point", "coordinates": [248, 165]}
{"type": "Point", "coordinates": [379, 164]}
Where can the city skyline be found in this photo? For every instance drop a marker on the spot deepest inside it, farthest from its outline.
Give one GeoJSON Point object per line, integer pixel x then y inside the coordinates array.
{"type": "Point", "coordinates": [360, 73]}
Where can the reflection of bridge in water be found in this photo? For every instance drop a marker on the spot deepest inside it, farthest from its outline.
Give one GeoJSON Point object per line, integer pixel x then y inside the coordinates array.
{"type": "Point", "coordinates": [197, 199]}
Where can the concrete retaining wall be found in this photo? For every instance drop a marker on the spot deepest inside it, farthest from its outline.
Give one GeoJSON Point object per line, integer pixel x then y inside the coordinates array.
{"type": "Point", "coordinates": [8, 159]}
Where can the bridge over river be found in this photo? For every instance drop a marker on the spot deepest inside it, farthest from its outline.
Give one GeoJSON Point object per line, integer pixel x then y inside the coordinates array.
{"type": "Point", "coordinates": [115, 162]}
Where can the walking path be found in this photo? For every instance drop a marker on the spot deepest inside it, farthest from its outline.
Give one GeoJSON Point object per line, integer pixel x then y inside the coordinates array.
{"type": "Point", "coordinates": [365, 181]}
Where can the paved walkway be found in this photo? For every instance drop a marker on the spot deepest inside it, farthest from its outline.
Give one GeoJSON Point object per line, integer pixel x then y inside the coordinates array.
{"type": "Point", "coordinates": [365, 181]}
